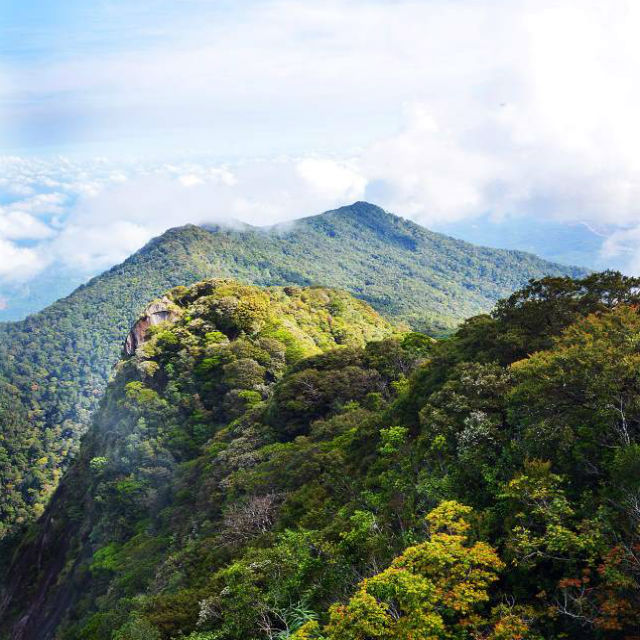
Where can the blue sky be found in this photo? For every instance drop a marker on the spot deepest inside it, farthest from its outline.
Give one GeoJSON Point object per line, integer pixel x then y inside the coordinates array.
{"type": "Point", "coordinates": [77, 117]}
{"type": "Point", "coordinates": [42, 29]}
{"type": "Point", "coordinates": [120, 119]}
{"type": "Point", "coordinates": [122, 77]}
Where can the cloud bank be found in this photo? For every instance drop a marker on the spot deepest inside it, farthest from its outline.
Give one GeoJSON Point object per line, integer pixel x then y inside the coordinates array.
{"type": "Point", "coordinates": [440, 111]}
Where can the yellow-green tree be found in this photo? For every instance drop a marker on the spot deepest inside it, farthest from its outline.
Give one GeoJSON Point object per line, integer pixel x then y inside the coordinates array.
{"type": "Point", "coordinates": [434, 590]}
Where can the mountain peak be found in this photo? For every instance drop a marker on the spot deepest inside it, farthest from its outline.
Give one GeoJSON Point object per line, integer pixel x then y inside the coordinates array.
{"type": "Point", "coordinates": [367, 220]}
{"type": "Point", "coordinates": [361, 210]}
{"type": "Point", "coordinates": [363, 207]}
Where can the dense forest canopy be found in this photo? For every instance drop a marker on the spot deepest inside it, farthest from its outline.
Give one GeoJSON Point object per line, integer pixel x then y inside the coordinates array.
{"type": "Point", "coordinates": [283, 463]}
{"type": "Point", "coordinates": [60, 359]}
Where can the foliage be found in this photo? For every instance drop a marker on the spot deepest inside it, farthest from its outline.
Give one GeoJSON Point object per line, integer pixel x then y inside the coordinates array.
{"type": "Point", "coordinates": [360, 485]}
{"type": "Point", "coordinates": [430, 591]}
{"type": "Point", "coordinates": [60, 359]}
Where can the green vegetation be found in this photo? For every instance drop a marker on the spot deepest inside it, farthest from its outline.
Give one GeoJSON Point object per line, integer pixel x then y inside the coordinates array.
{"type": "Point", "coordinates": [28, 461]}
{"type": "Point", "coordinates": [61, 358]}
{"type": "Point", "coordinates": [282, 463]}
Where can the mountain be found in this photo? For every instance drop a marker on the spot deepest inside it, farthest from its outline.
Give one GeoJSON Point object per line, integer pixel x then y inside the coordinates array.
{"type": "Point", "coordinates": [235, 342]}
{"type": "Point", "coordinates": [559, 241]}
{"type": "Point", "coordinates": [55, 363]}
{"type": "Point", "coordinates": [554, 242]}
{"type": "Point", "coordinates": [19, 299]}
{"type": "Point", "coordinates": [284, 463]}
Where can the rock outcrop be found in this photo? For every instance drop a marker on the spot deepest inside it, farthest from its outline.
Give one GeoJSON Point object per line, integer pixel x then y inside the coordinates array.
{"type": "Point", "coordinates": [160, 311]}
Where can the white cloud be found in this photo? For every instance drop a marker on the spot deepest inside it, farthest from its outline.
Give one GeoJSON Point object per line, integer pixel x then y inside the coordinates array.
{"type": "Point", "coordinates": [332, 179]}
{"type": "Point", "coordinates": [439, 111]}
{"type": "Point", "coordinates": [42, 203]}
{"type": "Point", "coordinates": [190, 180]}
{"type": "Point", "coordinates": [19, 263]}
{"type": "Point", "coordinates": [425, 173]}
{"type": "Point", "coordinates": [623, 245]}
{"type": "Point", "coordinates": [18, 225]}
{"type": "Point", "coordinates": [90, 248]}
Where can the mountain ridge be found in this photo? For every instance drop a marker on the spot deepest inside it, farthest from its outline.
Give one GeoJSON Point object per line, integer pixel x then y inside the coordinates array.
{"type": "Point", "coordinates": [61, 357]}
{"type": "Point", "coordinates": [364, 214]}
{"type": "Point", "coordinates": [241, 479]}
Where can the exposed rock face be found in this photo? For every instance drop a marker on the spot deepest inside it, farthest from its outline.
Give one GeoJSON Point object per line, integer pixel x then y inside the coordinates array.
{"type": "Point", "coordinates": [157, 312]}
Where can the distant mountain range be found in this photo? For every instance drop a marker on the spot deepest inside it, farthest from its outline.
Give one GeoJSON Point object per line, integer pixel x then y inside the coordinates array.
{"type": "Point", "coordinates": [556, 242]}
{"type": "Point", "coordinates": [54, 364]}
{"type": "Point", "coordinates": [564, 242]}
{"type": "Point", "coordinates": [19, 299]}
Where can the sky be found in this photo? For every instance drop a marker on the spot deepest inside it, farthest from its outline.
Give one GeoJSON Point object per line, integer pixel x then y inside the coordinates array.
{"type": "Point", "coordinates": [121, 118]}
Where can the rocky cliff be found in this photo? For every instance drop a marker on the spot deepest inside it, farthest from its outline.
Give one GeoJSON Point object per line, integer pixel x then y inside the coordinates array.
{"type": "Point", "coordinates": [159, 311]}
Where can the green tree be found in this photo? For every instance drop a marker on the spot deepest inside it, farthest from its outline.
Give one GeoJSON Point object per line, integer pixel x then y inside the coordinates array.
{"type": "Point", "coordinates": [433, 590]}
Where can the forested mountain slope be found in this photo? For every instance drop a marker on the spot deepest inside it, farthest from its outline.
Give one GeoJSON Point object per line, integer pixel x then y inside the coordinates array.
{"type": "Point", "coordinates": [283, 464]}
{"type": "Point", "coordinates": [60, 358]}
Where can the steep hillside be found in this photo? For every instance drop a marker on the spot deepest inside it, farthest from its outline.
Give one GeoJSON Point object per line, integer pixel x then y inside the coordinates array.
{"type": "Point", "coordinates": [60, 358]}
{"type": "Point", "coordinates": [218, 360]}
{"type": "Point", "coordinates": [280, 464]}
